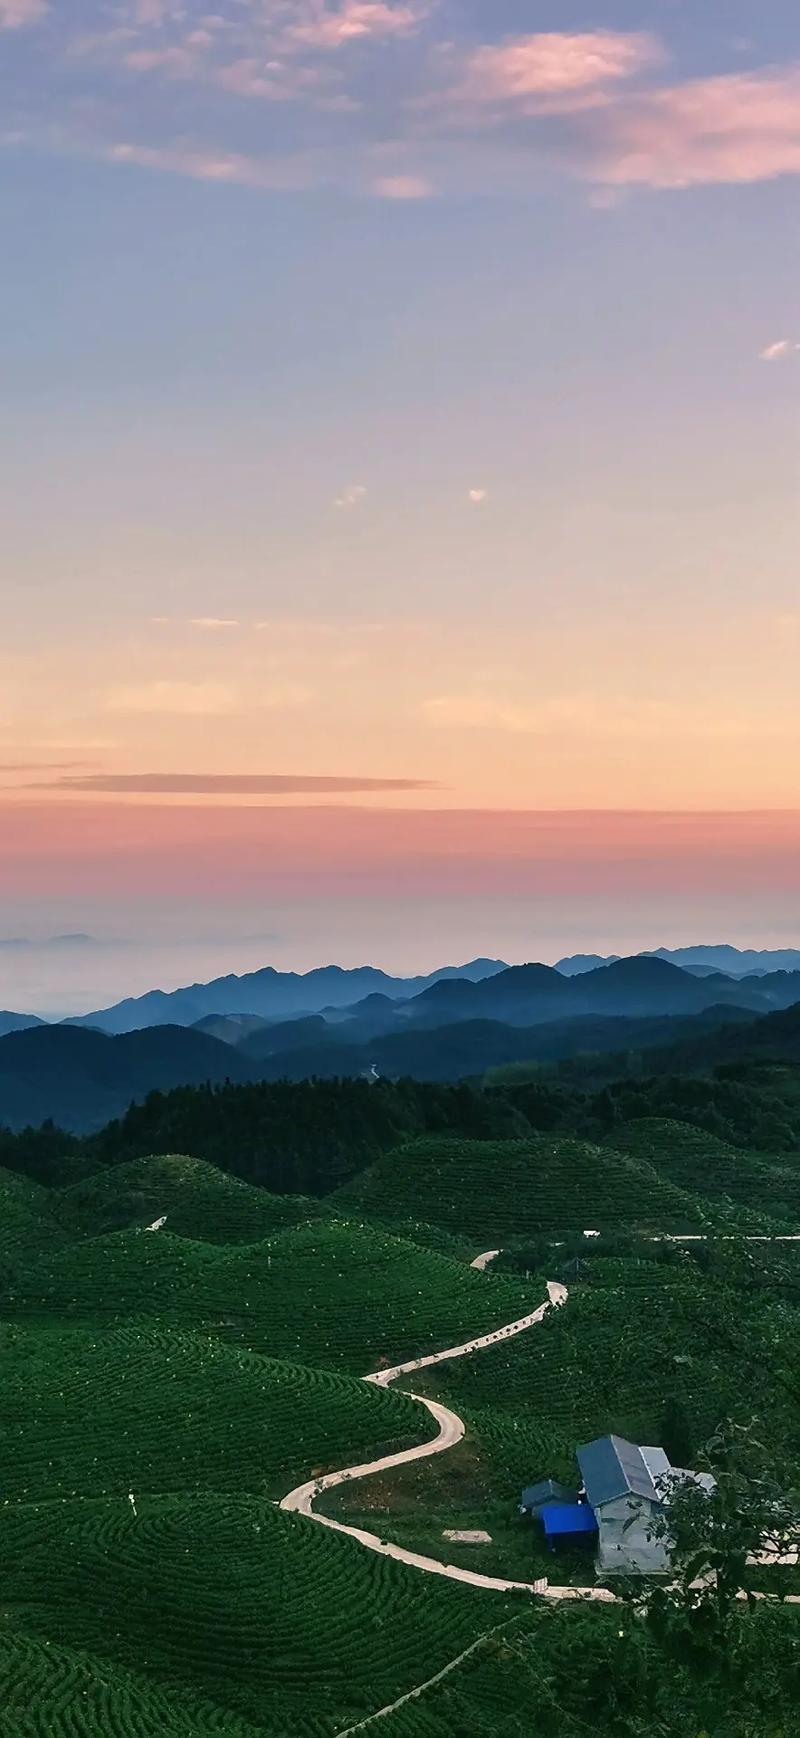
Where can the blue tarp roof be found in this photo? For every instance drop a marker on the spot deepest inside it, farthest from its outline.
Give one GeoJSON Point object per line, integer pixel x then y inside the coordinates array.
{"type": "Point", "coordinates": [568, 1518]}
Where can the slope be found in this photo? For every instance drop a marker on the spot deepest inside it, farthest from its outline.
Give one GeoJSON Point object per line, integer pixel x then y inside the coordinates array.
{"type": "Point", "coordinates": [711, 1168]}
{"type": "Point", "coordinates": [145, 1409]}
{"type": "Point", "coordinates": [265, 1617]}
{"type": "Point", "coordinates": [333, 1294]}
{"type": "Point", "coordinates": [81, 1078]}
{"type": "Point", "coordinates": [198, 1200]}
{"type": "Point", "coordinates": [28, 1225]}
{"type": "Point", "coordinates": [493, 1190]}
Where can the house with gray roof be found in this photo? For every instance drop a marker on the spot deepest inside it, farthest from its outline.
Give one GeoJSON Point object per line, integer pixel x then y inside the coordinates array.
{"type": "Point", "coordinates": [629, 1488]}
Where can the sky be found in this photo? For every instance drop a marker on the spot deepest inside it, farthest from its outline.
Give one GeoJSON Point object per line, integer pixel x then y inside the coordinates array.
{"type": "Point", "coordinates": [399, 484]}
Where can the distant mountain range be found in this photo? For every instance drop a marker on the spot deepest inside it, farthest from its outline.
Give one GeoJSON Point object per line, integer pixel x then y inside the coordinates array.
{"type": "Point", "coordinates": [17, 1022]}
{"type": "Point", "coordinates": [454, 1026]}
{"type": "Point", "coordinates": [736, 962]}
{"type": "Point", "coordinates": [272, 995]}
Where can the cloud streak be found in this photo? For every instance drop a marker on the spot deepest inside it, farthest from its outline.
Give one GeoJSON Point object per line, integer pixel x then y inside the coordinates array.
{"type": "Point", "coordinates": [776, 352]}
{"type": "Point", "coordinates": [231, 784]}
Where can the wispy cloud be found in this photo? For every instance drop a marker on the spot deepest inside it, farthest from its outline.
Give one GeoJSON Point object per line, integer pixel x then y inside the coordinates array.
{"type": "Point", "coordinates": [741, 127]}
{"type": "Point", "coordinates": [213, 624]}
{"type": "Point", "coordinates": [585, 715]}
{"type": "Point", "coordinates": [232, 784]}
{"type": "Point", "coordinates": [781, 348]}
{"type": "Point", "coordinates": [442, 112]}
{"type": "Point", "coordinates": [12, 944]}
{"type": "Point", "coordinates": [402, 187]}
{"type": "Point", "coordinates": [20, 14]}
{"type": "Point", "coordinates": [329, 27]}
{"type": "Point", "coordinates": [352, 496]}
{"type": "Point", "coordinates": [183, 699]}
{"type": "Point", "coordinates": [277, 173]}
{"type": "Point", "coordinates": [553, 68]}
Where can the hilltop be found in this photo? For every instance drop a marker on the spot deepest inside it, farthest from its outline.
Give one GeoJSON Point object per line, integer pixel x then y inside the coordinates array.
{"type": "Point", "coordinates": [503, 1189]}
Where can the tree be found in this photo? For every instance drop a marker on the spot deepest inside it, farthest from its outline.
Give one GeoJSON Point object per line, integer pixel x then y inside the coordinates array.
{"type": "Point", "coordinates": [676, 1435]}
{"type": "Point", "coordinates": [741, 1651]}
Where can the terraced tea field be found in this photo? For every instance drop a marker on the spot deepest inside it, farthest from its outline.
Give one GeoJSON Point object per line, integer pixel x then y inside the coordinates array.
{"type": "Point", "coordinates": [51, 1691]}
{"type": "Point", "coordinates": [264, 1618]}
{"type": "Point", "coordinates": [333, 1294]}
{"type": "Point", "coordinates": [28, 1225]}
{"type": "Point", "coordinates": [198, 1200]}
{"type": "Point", "coordinates": [89, 1413]}
{"type": "Point", "coordinates": [491, 1191]}
{"type": "Point", "coordinates": [711, 1168]}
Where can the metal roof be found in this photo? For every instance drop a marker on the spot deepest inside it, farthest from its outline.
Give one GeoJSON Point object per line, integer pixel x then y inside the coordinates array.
{"type": "Point", "coordinates": [547, 1491]}
{"type": "Point", "coordinates": [611, 1468]}
{"type": "Point", "coordinates": [561, 1518]}
{"type": "Point", "coordinates": [656, 1461]}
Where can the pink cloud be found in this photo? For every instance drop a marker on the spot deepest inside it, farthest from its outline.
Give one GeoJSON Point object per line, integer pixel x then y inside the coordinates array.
{"type": "Point", "coordinates": [736, 127]}
{"type": "Point", "coordinates": [553, 66]}
{"type": "Point", "coordinates": [325, 28]}
{"type": "Point", "coordinates": [19, 14]}
{"type": "Point", "coordinates": [402, 187]}
{"type": "Point", "coordinates": [207, 165]}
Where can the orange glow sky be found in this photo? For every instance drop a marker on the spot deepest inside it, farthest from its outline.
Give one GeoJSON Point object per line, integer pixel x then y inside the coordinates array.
{"type": "Point", "coordinates": [399, 458]}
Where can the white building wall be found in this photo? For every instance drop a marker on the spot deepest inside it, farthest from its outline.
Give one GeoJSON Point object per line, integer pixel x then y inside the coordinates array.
{"type": "Point", "coordinates": [626, 1545]}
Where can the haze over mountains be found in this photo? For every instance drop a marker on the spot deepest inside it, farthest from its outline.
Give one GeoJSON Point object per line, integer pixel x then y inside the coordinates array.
{"type": "Point", "coordinates": [275, 995]}
{"type": "Point", "coordinates": [456, 1023]}
{"type": "Point", "coordinates": [737, 962]}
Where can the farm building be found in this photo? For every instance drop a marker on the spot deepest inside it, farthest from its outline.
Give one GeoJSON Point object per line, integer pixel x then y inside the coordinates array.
{"type": "Point", "coordinates": [628, 1488]}
{"type": "Point", "coordinates": [537, 1497]}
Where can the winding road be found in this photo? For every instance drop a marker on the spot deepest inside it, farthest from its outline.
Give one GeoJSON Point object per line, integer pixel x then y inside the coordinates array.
{"type": "Point", "coordinates": [451, 1429]}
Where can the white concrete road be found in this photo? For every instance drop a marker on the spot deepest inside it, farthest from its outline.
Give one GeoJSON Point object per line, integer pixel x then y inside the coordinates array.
{"type": "Point", "coordinates": [451, 1430]}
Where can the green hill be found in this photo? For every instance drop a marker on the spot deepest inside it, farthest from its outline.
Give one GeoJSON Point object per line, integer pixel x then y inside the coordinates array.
{"type": "Point", "coordinates": [199, 1201]}
{"type": "Point", "coordinates": [335, 1294]}
{"type": "Point", "coordinates": [493, 1190]}
{"type": "Point", "coordinates": [28, 1225]}
{"type": "Point", "coordinates": [51, 1691]}
{"type": "Point", "coordinates": [713, 1169]}
{"type": "Point", "coordinates": [99, 1414]}
{"type": "Point", "coordinates": [265, 1618]}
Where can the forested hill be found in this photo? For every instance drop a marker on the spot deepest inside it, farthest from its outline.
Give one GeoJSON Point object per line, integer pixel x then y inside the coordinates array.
{"type": "Point", "coordinates": [311, 1137]}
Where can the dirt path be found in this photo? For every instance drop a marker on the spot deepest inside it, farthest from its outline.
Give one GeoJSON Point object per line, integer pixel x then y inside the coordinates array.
{"type": "Point", "coordinates": [481, 1262]}
{"type": "Point", "coordinates": [451, 1430]}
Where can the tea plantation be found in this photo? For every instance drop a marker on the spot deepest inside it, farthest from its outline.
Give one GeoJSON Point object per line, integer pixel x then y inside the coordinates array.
{"type": "Point", "coordinates": [89, 1413]}
{"type": "Point", "coordinates": [162, 1390]}
{"type": "Point", "coordinates": [197, 1200]}
{"type": "Point", "coordinates": [335, 1294]}
{"type": "Point", "coordinates": [494, 1190]}
{"type": "Point", "coordinates": [698, 1161]}
{"type": "Point", "coordinates": [28, 1221]}
{"type": "Point", "coordinates": [653, 1352]}
{"type": "Point", "coordinates": [258, 1617]}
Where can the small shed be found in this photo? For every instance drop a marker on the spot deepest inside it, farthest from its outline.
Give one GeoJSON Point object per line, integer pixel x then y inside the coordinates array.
{"type": "Point", "coordinates": [537, 1497]}
{"type": "Point", "coordinates": [568, 1521]}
